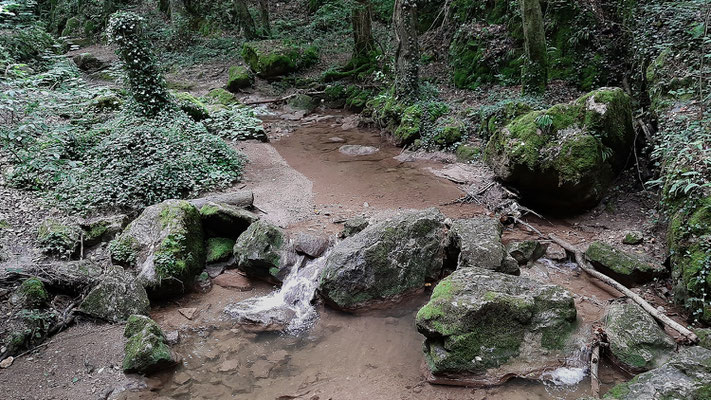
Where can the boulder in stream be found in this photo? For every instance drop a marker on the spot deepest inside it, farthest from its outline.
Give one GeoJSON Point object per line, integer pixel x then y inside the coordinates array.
{"type": "Point", "coordinates": [483, 328]}
{"type": "Point", "coordinates": [637, 342]}
{"type": "Point", "coordinates": [165, 245]}
{"type": "Point", "coordinates": [687, 375]}
{"type": "Point", "coordinates": [385, 261]}
{"type": "Point", "coordinates": [146, 350]}
{"type": "Point", "coordinates": [116, 298]}
{"type": "Point", "coordinates": [622, 266]}
{"type": "Point", "coordinates": [263, 252]}
{"type": "Point", "coordinates": [478, 242]}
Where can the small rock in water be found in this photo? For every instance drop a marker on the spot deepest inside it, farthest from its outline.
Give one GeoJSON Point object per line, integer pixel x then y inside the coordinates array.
{"type": "Point", "coordinates": [357, 150]}
{"type": "Point", "coordinates": [233, 280]}
{"type": "Point", "coordinates": [336, 139]}
{"type": "Point", "coordinates": [188, 313]}
{"type": "Point", "coordinates": [6, 363]}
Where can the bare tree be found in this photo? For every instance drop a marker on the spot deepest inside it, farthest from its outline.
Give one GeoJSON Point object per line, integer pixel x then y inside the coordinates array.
{"type": "Point", "coordinates": [534, 75]}
{"type": "Point", "coordinates": [362, 17]}
{"type": "Point", "coordinates": [407, 50]}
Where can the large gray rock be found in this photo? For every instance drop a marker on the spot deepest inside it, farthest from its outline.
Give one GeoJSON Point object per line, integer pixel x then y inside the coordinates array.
{"type": "Point", "coordinates": [527, 251]}
{"type": "Point", "coordinates": [686, 376]}
{"type": "Point", "coordinates": [225, 220]}
{"type": "Point", "coordinates": [637, 342]}
{"type": "Point", "coordinates": [622, 266]}
{"type": "Point", "coordinates": [164, 245]}
{"type": "Point", "coordinates": [478, 241]}
{"type": "Point", "coordinates": [483, 327]}
{"type": "Point", "coordinates": [263, 251]}
{"type": "Point", "coordinates": [385, 260]}
{"type": "Point", "coordinates": [567, 156]}
{"type": "Point", "coordinates": [116, 298]}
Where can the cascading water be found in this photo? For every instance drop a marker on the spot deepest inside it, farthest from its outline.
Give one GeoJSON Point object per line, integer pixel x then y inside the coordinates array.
{"type": "Point", "coordinates": [287, 309]}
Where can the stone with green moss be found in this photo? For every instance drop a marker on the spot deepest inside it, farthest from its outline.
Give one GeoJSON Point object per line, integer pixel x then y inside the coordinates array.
{"type": "Point", "coordinates": [109, 102]}
{"type": "Point", "coordinates": [238, 77]}
{"type": "Point", "coordinates": [467, 152]}
{"type": "Point", "coordinates": [30, 294]}
{"type": "Point", "coordinates": [56, 237]}
{"type": "Point", "coordinates": [26, 328]}
{"type": "Point", "coordinates": [165, 245]}
{"type": "Point", "coordinates": [192, 106]}
{"type": "Point", "coordinates": [102, 229]}
{"type": "Point", "coordinates": [527, 251]}
{"type": "Point", "coordinates": [637, 342]}
{"type": "Point", "coordinates": [225, 220]}
{"type": "Point", "coordinates": [116, 297]}
{"type": "Point", "coordinates": [385, 261]}
{"type": "Point", "coordinates": [704, 335]}
{"type": "Point", "coordinates": [354, 225]}
{"type": "Point", "coordinates": [622, 266]}
{"type": "Point", "coordinates": [261, 251]}
{"type": "Point", "coordinates": [221, 97]}
{"type": "Point", "coordinates": [565, 157]}
{"type": "Point", "coordinates": [302, 102]}
{"type": "Point", "coordinates": [146, 350]}
{"type": "Point", "coordinates": [487, 327]}
{"type": "Point", "coordinates": [219, 249]}
{"type": "Point", "coordinates": [272, 59]}
{"type": "Point", "coordinates": [633, 238]}
{"type": "Point", "coordinates": [687, 375]}
{"type": "Point", "coordinates": [477, 241]}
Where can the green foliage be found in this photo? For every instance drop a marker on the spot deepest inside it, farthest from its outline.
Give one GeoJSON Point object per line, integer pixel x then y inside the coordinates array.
{"type": "Point", "coordinates": [25, 44]}
{"type": "Point", "coordinates": [235, 122]}
{"type": "Point", "coordinates": [55, 237]}
{"type": "Point", "coordinates": [145, 81]}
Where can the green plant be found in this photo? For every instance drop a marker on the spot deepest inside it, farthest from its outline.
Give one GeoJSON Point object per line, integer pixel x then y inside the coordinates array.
{"type": "Point", "coordinates": [235, 122]}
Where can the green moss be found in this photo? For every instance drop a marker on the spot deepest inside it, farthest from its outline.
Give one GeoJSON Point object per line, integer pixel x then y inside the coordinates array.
{"type": "Point", "coordinates": [620, 391]}
{"type": "Point", "coordinates": [219, 249]}
{"type": "Point", "coordinates": [55, 237]}
{"type": "Point", "coordinates": [192, 106]}
{"type": "Point", "coordinates": [145, 352]}
{"type": "Point", "coordinates": [124, 251]}
{"type": "Point", "coordinates": [466, 152]}
{"type": "Point", "coordinates": [620, 262]}
{"type": "Point", "coordinates": [32, 293]}
{"type": "Point", "coordinates": [274, 58]}
{"type": "Point", "coordinates": [221, 96]}
{"type": "Point", "coordinates": [238, 77]}
{"type": "Point", "coordinates": [137, 323]}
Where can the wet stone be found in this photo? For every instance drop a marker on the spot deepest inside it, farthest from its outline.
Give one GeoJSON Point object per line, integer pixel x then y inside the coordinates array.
{"type": "Point", "coordinates": [233, 280]}
{"type": "Point", "coordinates": [357, 150]}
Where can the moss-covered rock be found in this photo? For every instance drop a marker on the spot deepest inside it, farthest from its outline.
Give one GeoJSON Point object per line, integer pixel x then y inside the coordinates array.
{"type": "Point", "coordinates": [26, 328]}
{"type": "Point", "coordinates": [56, 237]}
{"type": "Point", "coordinates": [260, 251]}
{"type": "Point", "coordinates": [478, 242]}
{"type": "Point", "coordinates": [238, 77]}
{"type": "Point", "coordinates": [566, 157]}
{"type": "Point", "coordinates": [527, 251]}
{"type": "Point", "coordinates": [116, 297]}
{"type": "Point", "coordinates": [621, 265]}
{"type": "Point", "coordinates": [467, 152]}
{"type": "Point", "coordinates": [483, 327]}
{"type": "Point", "coordinates": [385, 260]}
{"type": "Point", "coordinates": [302, 102]}
{"type": "Point", "coordinates": [224, 220]}
{"type": "Point", "coordinates": [165, 245]}
{"type": "Point", "coordinates": [108, 102]}
{"type": "Point", "coordinates": [633, 238]}
{"type": "Point", "coordinates": [221, 97]}
{"type": "Point", "coordinates": [31, 294]}
{"type": "Point", "coordinates": [271, 59]}
{"type": "Point", "coordinates": [192, 106]}
{"type": "Point", "coordinates": [354, 225]}
{"type": "Point", "coordinates": [637, 342]}
{"type": "Point", "coordinates": [219, 249]}
{"type": "Point", "coordinates": [145, 351]}
{"type": "Point", "coordinates": [687, 375]}
{"type": "Point", "coordinates": [102, 229]}
{"type": "Point", "coordinates": [88, 62]}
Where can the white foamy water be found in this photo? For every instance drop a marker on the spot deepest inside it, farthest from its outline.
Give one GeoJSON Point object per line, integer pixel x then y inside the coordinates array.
{"type": "Point", "coordinates": [566, 376]}
{"type": "Point", "coordinates": [289, 308]}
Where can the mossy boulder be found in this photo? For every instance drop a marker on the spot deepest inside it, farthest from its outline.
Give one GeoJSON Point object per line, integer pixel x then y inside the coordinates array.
{"type": "Point", "coordinates": [483, 328]}
{"type": "Point", "coordinates": [88, 62]}
{"type": "Point", "coordinates": [565, 158]}
{"type": "Point", "coordinates": [56, 237]}
{"type": "Point", "coordinates": [146, 350]}
{"type": "Point", "coordinates": [527, 251]}
{"type": "Point", "coordinates": [467, 153]}
{"type": "Point", "coordinates": [26, 328]}
{"type": "Point", "coordinates": [219, 249]}
{"type": "Point", "coordinates": [637, 342]}
{"type": "Point", "coordinates": [385, 260]}
{"type": "Point", "coordinates": [102, 229]}
{"type": "Point", "coordinates": [225, 220]}
{"type": "Point", "coordinates": [164, 245]}
{"type": "Point", "coordinates": [261, 251]}
{"type": "Point", "coordinates": [633, 238]}
{"type": "Point", "coordinates": [31, 294]}
{"type": "Point", "coordinates": [238, 77]}
{"type": "Point", "coordinates": [622, 266]}
{"type": "Point", "coordinates": [477, 241]}
{"type": "Point", "coordinates": [272, 59]}
{"type": "Point", "coordinates": [354, 225]}
{"type": "Point", "coordinates": [687, 375]}
{"type": "Point", "coordinates": [221, 97]}
{"type": "Point", "coordinates": [192, 106]}
{"type": "Point", "coordinates": [108, 102]}
{"type": "Point", "coordinates": [116, 297]}
{"type": "Point", "coordinates": [302, 102]}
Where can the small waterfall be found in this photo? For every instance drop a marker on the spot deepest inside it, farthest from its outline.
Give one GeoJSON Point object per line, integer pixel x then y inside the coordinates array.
{"type": "Point", "coordinates": [287, 309]}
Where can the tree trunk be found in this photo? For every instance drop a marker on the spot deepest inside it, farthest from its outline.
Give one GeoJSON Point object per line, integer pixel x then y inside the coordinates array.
{"type": "Point", "coordinates": [363, 42]}
{"type": "Point", "coordinates": [244, 19]}
{"type": "Point", "coordinates": [264, 14]}
{"type": "Point", "coordinates": [177, 9]}
{"type": "Point", "coordinates": [407, 51]}
{"type": "Point", "coordinates": [534, 74]}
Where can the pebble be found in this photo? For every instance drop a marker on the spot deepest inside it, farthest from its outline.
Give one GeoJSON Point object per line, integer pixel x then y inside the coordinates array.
{"type": "Point", "coordinates": [6, 363]}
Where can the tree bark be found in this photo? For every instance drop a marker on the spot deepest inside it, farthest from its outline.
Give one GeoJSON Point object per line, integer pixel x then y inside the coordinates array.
{"type": "Point", "coordinates": [363, 42]}
{"type": "Point", "coordinates": [244, 19]}
{"type": "Point", "coordinates": [407, 50]}
{"type": "Point", "coordinates": [534, 75]}
{"type": "Point", "coordinates": [583, 264]}
{"type": "Point", "coordinates": [264, 15]}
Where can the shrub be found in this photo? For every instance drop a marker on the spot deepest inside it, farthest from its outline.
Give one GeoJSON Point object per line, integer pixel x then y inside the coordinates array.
{"type": "Point", "coordinates": [235, 123]}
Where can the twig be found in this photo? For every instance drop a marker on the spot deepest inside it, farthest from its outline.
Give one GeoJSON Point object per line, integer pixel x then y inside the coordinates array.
{"type": "Point", "coordinates": [580, 259]}
{"type": "Point", "coordinates": [527, 225]}
{"type": "Point", "coordinates": [594, 364]}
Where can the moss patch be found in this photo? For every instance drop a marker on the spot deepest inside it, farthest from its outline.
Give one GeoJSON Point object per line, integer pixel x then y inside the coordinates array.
{"type": "Point", "coordinates": [219, 249]}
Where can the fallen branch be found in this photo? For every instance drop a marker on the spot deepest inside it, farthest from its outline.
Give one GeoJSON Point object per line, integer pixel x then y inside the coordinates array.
{"type": "Point", "coordinates": [594, 364]}
{"type": "Point", "coordinates": [280, 99]}
{"type": "Point", "coordinates": [666, 321]}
